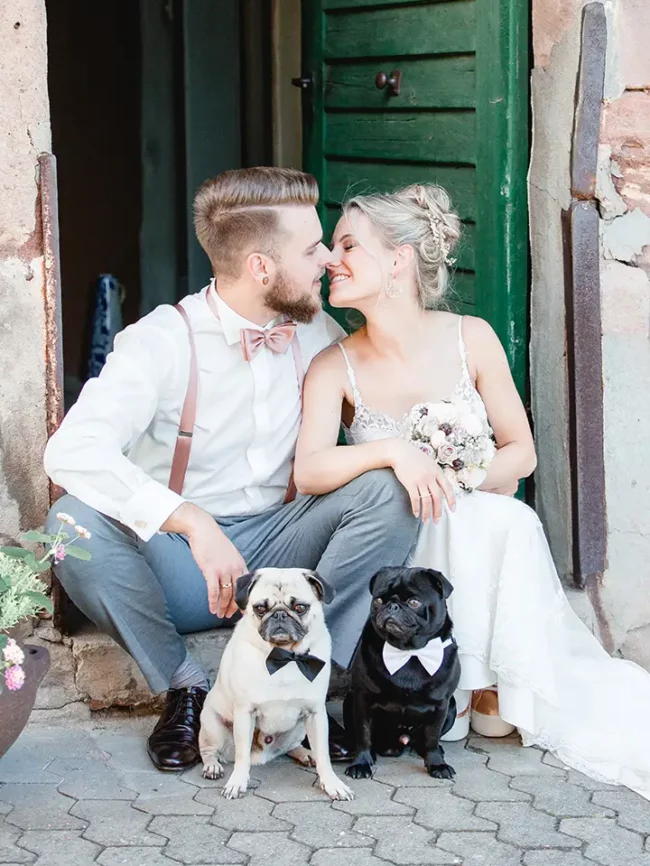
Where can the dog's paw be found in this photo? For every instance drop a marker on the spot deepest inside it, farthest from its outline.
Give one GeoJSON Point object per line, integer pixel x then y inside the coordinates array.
{"type": "Point", "coordinates": [391, 751]}
{"type": "Point", "coordinates": [336, 788]}
{"type": "Point", "coordinates": [302, 756]}
{"type": "Point", "coordinates": [235, 787]}
{"type": "Point", "coordinates": [440, 771]}
{"type": "Point", "coordinates": [361, 770]}
{"type": "Point", "coordinates": [212, 771]}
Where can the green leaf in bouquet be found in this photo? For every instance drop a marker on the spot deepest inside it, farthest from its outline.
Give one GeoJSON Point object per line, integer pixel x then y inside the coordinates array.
{"type": "Point", "coordinates": [34, 535]}
{"type": "Point", "coordinates": [39, 598]}
{"type": "Point", "coordinates": [5, 585]}
{"type": "Point", "coordinates": [16, 552]}
{"type": "Point", "coordinates": [4, 640]}
{"type": "Point", "coordinates": [78, 553]}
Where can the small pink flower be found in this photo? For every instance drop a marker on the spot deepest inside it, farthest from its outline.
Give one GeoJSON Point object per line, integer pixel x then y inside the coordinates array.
{"type": "Point", "coordinates": [12, 653]}
{"type": "Point", "coordinates": [65, 518]}
{"type": "Point", "coordinates": [14, 678]}
{"type": "Point", "coordinates": [59, 553]}
{"type": "Point", "coordinates": [84, 533]}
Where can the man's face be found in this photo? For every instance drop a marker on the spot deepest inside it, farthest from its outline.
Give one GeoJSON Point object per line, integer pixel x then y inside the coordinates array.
{"type": "Point", "coordinates": [300, 264]}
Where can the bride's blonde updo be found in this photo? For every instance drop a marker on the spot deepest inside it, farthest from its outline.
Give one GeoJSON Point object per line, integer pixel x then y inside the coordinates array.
{"type": "Point", "coordinates": [419, 215]}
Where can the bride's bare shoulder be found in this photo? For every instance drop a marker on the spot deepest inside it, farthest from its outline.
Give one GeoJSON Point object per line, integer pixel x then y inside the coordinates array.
{"type": "Point", "coordinates": [328, 363]}
{"type": "Point", "coordinates": [478, 332]}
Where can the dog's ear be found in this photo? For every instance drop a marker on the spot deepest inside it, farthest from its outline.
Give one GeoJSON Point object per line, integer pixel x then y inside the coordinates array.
{"type": "Point", "coordinates": [383, 578]}
{"type": "Point", "coordinates": [322, 590]}
{"type": "Point", "coordinates": [439, 582]}
{"type": "Point", "coordinates": [243, 586]}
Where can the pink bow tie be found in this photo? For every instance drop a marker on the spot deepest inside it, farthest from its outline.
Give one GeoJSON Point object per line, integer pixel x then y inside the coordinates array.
{"type": "Point", "coordinates": [277, 339]}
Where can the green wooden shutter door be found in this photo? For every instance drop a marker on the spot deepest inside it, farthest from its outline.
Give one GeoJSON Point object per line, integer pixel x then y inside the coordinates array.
{"type": "Point", "coordinates": [461, 120]}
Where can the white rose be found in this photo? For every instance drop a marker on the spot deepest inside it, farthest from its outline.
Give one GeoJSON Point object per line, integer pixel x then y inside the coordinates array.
{"type": "Point", "coordinates": [437, 439]}
{"type": "Point", "coordinates": [472, 424]}
{"type": "Point", "coordinates": [471, 478]}
{"type": "Point", "coordinates": [445, 413]}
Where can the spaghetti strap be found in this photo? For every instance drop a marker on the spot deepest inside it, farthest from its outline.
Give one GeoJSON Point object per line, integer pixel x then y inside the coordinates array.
{"type": "Point", "coordinates": [351, 376]}
{"type": "Point", "coordinates": [461, 347]}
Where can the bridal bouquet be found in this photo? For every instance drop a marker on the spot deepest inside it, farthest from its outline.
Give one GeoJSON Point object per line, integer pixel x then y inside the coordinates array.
{"type": "Point", "coordinates": [456, 437]}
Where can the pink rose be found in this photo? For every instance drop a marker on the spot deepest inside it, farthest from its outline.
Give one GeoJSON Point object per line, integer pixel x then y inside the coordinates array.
{"type": "Point", "coordinates": [447, 453]}
{"type": "Point", "coordinates": [14, 678]}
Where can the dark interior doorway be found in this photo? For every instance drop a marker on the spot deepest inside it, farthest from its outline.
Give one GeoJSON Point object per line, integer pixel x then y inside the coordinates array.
{"type": "Point", "coordinates": [147, 99]}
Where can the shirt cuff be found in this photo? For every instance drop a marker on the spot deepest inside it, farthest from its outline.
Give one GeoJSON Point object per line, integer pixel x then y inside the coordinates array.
{"type": "Point", "coordinates": [149, 508]}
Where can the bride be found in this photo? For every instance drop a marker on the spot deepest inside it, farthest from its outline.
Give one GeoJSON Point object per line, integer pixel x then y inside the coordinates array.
{"type": "Point", "coordinates": [517, 635]}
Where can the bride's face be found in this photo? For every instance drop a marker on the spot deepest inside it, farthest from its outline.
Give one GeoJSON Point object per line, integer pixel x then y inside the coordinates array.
{"type": "Point", "coordinates": [360, 265]}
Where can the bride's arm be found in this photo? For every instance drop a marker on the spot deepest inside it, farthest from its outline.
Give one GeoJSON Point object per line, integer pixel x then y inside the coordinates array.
{"type": "Point", "coordinates": [515, 457]}
{"type": "Point", "coordinates": [321, 466]}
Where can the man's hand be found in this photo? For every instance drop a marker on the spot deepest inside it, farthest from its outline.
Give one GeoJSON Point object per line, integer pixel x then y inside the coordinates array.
{"type": "Point", "coordinates": [213, 552]}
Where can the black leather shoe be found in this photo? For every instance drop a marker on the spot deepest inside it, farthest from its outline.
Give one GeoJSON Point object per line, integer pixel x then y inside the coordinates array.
{"type": "Point", "coordinates": [174, 743]}
{"type": "Point", "coordinates": [340, 749]}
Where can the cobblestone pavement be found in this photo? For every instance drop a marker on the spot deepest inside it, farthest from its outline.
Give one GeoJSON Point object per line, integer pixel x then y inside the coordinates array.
{"type": "Point", "coordinates": [78, 792]}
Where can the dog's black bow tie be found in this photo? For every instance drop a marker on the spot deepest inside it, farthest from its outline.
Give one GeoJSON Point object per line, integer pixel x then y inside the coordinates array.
{"type": "Point", "coordinates": [308, 665]}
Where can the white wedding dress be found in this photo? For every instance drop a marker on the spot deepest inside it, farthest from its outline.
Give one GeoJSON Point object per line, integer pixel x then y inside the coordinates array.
{"type": "Point", "coordinates": [515, 628]}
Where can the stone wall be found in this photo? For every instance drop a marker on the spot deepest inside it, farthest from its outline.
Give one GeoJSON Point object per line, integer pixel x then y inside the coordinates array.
{"type": "Point", "coordinates": [623, 191]}
{"type": "Point", "coordinates": [24, 134]}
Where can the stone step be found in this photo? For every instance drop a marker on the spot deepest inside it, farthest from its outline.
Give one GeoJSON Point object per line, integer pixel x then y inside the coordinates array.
{"type": "Point", "coordinates": [91, 667]}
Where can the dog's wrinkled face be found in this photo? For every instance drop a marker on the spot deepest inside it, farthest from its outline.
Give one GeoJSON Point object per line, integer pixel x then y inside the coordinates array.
{"type": "Point", "coordinates": [283, 603]}
{"type": "Point", "coordinates": [408, 605]}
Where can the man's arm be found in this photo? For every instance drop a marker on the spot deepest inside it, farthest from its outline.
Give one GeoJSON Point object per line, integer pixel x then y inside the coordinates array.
{"type": "Point", "coordinates": [86, 456]}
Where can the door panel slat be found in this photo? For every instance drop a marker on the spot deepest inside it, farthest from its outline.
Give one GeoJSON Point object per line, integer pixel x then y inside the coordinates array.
{"type": "Point", "coordinates": [346, 178]}
{"type": "Point", "coordinates": [442, 28]}
{"type": "Point", "coordinates": [440, 137]}
{"type": "Point", "coordinates": [432, 82]}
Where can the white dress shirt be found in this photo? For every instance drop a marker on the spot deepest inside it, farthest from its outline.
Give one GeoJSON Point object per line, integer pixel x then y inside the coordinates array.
{"type": "Point", "coordinates": [114, 448]}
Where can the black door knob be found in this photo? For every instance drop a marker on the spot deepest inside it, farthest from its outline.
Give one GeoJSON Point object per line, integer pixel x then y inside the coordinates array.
{"type": "Point", "coordinates": [393, 82]}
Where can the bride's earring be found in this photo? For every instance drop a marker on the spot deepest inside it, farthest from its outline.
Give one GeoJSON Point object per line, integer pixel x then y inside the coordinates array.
{"type": "Point", "coordinates": [392, 291]}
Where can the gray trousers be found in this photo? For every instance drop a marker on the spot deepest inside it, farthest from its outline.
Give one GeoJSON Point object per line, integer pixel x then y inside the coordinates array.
{"type": "Point", "coordinates": [145, 595]}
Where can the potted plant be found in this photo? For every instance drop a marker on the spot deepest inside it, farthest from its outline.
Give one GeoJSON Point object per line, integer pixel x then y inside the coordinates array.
{"type": "Point", "coordinates": [22, 667]}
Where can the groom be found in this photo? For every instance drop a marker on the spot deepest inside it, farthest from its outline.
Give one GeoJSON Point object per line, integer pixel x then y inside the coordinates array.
{"type": "Point", "coordinates": [178, 457]}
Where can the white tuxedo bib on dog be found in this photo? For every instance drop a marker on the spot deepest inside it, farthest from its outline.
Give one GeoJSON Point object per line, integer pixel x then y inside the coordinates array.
{"type": "Point", "coordinates": [430, 656]}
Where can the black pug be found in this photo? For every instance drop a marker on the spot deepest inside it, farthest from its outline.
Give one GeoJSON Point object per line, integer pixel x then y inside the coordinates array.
{"type": "Point", "coordinates": [397, 699]}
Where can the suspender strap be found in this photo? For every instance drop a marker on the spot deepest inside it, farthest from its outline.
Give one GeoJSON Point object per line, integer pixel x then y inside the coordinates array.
{"type": "Point", "coordinates": [188, 416]}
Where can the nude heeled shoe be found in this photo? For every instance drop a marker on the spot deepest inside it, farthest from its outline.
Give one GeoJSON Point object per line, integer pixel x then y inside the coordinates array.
{"type": "Point", "coordinates": [484, 718]}
{"type": "Point", "coordinates": [460, 729]}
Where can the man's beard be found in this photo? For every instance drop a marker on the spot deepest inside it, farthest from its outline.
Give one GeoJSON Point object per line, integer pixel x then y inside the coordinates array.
{"type": "Point", "coordinates": [281, 299]}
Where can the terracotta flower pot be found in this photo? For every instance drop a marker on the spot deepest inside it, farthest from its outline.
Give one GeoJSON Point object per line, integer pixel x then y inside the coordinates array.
{"type": "Point", "coordinates": [15, 707]}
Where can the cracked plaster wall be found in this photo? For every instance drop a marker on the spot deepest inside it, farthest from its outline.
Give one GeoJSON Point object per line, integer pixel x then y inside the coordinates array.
{"type": "Point", "coordinates": [24, 133]}
{"type": "Point", "coordinates": [623, 190]}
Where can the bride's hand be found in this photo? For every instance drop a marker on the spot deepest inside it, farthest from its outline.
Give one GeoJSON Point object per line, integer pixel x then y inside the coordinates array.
{"type": "Point", "coordinates": [424, 480]}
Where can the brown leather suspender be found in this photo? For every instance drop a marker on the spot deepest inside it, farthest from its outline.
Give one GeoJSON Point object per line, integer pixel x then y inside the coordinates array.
{"type": "Point", "coordinates": [188, 415]}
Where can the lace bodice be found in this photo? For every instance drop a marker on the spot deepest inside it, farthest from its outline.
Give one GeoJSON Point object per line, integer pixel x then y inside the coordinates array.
{"type": "Point", "coordinates": [370, 424]}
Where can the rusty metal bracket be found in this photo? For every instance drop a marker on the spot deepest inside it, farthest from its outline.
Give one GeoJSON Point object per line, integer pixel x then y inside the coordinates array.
{"type": "Point", "coordinates": [53, 332]}
{"type": "Point", "coordinates": [583, 312]}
